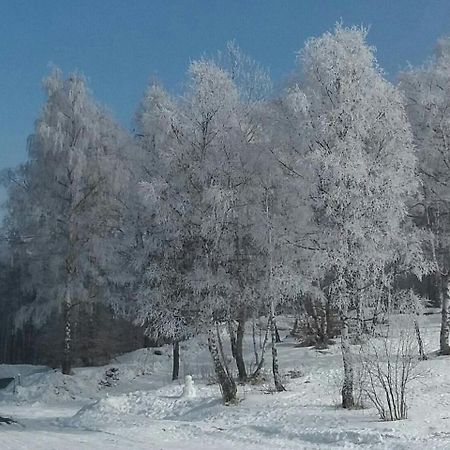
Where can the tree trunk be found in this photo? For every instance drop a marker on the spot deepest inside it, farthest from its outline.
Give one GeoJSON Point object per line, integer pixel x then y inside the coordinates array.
{"type": "Point", "coordinates": [277, 334]}
{"type": "Point", "coordinates": [222, 351]}
{"type": "Point", "coordinates": [273, 326]}
{"type": "Point", "coordinates": [176, 360]}
{"type": "Point", "coordinates": [347, 388]}
{"type": "Point", "coordinates": [239, 350]}
{"type": "Point", "coordinates": [318, 327]}
{"type": "Point", "coordinates": [232, 333]}
{"type": "Point", "coordinates": [226, 382]}
{"type": "Point", "coordinates": [66, 365]}
{"type": "Point", "coordinates": [360, 319]}
{"type": "Point", "coordinates": [276, 373]}
{"type": "Point", "coordinates": [260, 364]}
{"type": "Point", "coordinates": [255, 349]}
{"type": "Point", "coordinates": [445, 317]}
{"type": "Point", "coordinates": [328, 321]}
{"type": "Point", "coordinates": [375, 319]}
{"type": "Point", "coordinates": [422, 354]}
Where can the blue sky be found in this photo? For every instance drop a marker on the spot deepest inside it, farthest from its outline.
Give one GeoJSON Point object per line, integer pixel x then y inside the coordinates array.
{"type": "Point", "coordinates": [119, 44]}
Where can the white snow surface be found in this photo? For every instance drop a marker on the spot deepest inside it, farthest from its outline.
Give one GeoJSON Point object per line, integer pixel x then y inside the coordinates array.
{"type": "Point", "coordinates": [144, 409]}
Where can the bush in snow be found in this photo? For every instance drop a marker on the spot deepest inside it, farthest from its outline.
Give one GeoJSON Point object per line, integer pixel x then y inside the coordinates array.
{"type": "Point", "coordinates": [387, 369]}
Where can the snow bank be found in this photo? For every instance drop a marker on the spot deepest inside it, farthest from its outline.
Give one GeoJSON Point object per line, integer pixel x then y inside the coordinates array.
{"type": "Point", "coordinates": [40, 384]}
{"type": "Point", "coordinates": [165, 404]}
{"type": "Point", "coordinates": [53, 386]}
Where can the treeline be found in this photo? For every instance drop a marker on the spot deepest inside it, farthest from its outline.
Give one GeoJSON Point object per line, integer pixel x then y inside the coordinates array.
{"type": "Point", "coordinates": [328, 200]}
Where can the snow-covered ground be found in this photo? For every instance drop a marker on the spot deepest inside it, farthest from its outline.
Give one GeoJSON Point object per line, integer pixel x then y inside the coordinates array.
{"type": "Point", "coordinates": [143, 409]}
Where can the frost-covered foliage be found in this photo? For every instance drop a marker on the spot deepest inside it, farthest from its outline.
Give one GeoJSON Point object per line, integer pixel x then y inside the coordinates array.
{"type": "Point", "coordinates": [357, 167]}
{"type": "Point", "coordinates": [427, 91]}
{"type": "Point", "coordinates": [65, 203]}
{"type": "Point", "coordinates": [360, 164]}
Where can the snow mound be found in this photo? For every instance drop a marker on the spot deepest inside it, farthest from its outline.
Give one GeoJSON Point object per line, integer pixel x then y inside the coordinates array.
{"type": "Point", "coordinates": [40, 384]}
{"type": "Point", "coordinates": [137, 405]}
{"type": "Point", "coordinates": [53, 386]}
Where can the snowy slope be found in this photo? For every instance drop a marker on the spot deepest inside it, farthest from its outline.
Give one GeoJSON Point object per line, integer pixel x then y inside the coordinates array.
{"type": "Point", "coordinates": [144, 409]}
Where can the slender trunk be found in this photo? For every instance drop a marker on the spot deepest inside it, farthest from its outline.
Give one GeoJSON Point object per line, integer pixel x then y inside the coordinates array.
{"type": "Point", "coordinates": [67, 351]}
{"type": "Point", "coordinates": [239, 350]}
{"type": "Point", "coordinates": [360, 318]}
{"type": "Point", "coordinates": [227, 384]}
{"type": "Point", "coordinates": [70, 271]}
{"type": "Point", "coordinates": [328, 317]}
{"type": "Point", "coordinates": [277, 334]}
{"type": "Point", "coordinates": [176, 360]}
{"type": "Point", "coordinates": [255, 349]}
{"type": "Point", "coordinates": [273, 326]}
{"type": "Point", "coordinates": [375, 318]}
{"type": "Point", "coordinates": [232, 333]}
{"type": "Point", "coordinates": [445, 317]}
{"type": "Point", "coordinates": [295, 328]}
{"type": "Point", "coordinates": [347, 388]}
{"type": "Point", "coordinates": [323, 326]}
{"type": "Point", "coordinates": [422, 354]}
{"type": "Point", "coordinates": [222, 351]}
{"type": "Point", "coordinates": [263, 351]}
{"type": "Point", "coordinates": [318, 327]}
{"type": "Point", "coordinates": [275, 369]}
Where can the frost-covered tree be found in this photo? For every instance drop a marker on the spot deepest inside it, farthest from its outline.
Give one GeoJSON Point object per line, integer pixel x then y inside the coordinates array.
{"type": "Point", "coordinates": [162, 297]}
{"type": "Point", "coordinates": [427, 92]}
{"type": "Point", "coordinates": [207, 176]}
{"type": "Point", "coordinates": [64, 202]}
{"type": "Point", "coordinates": [277, 213]}
{"type": "Point", "coordinates": [359, 170]}
{"type": "Point", "coordinates": [248, 265]}
{"type": "Point", "coordinates": [200, 146]}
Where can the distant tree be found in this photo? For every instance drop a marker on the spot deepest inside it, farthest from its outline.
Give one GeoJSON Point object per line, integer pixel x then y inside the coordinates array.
{"type": "Point", "coordinates": [427, 92]}
{"type": "Point", "coordinates": [64, 202]}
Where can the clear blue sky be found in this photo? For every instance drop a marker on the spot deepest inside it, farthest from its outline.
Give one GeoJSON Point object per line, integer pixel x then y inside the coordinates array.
{"type": "Point", "coordinates": [119, 44]}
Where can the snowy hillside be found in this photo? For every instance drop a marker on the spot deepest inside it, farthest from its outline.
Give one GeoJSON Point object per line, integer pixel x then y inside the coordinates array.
{"type": "Point", "coordinates": [139, 407]}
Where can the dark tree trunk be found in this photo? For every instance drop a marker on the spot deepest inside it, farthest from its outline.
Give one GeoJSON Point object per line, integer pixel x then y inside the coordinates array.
{"type": "Point", "coordinates": [360, 319]}
{"type": "Point", "coordinates": [348, 401]}
{"type": "Point", "coordinates": [445, 317]}
{"type": "Point", "coordinates": [260, 364]}
{"type": "Point", "coordinates": [226, 382]}
{"type": "Point", "coordinates": [375, 319]}
{"type": "Point", "coordinates": [275, 369]}
{"type": "Point", "coordinates": [422, 354]}
{"type": "Point", "coordinates": [239, 350]}
{"type": "Point", "coordinates": [66, 365]}
{"type": "Point", "coordinates": [255, 349]}
{"type": "Point", "coordinates": [232, 334]}
{"type": "Point", "coordinates": [328, 320]}
{"type": "Point", "coordinates": [176, 360]}
{"type": "Point", "coordinates": [277, 334]}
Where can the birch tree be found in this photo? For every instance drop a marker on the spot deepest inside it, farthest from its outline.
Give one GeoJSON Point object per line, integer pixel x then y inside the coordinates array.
{"type": "Point", "coordinates": [360, 171]}
{"type": "Point", "coordinates": [61, 204]}
{"type": "Point", "coordinates": [427, 91]}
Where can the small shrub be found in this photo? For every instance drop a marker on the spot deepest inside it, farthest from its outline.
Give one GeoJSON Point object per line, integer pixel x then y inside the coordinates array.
{"type": "Point", "coordinates": [388, 369]}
